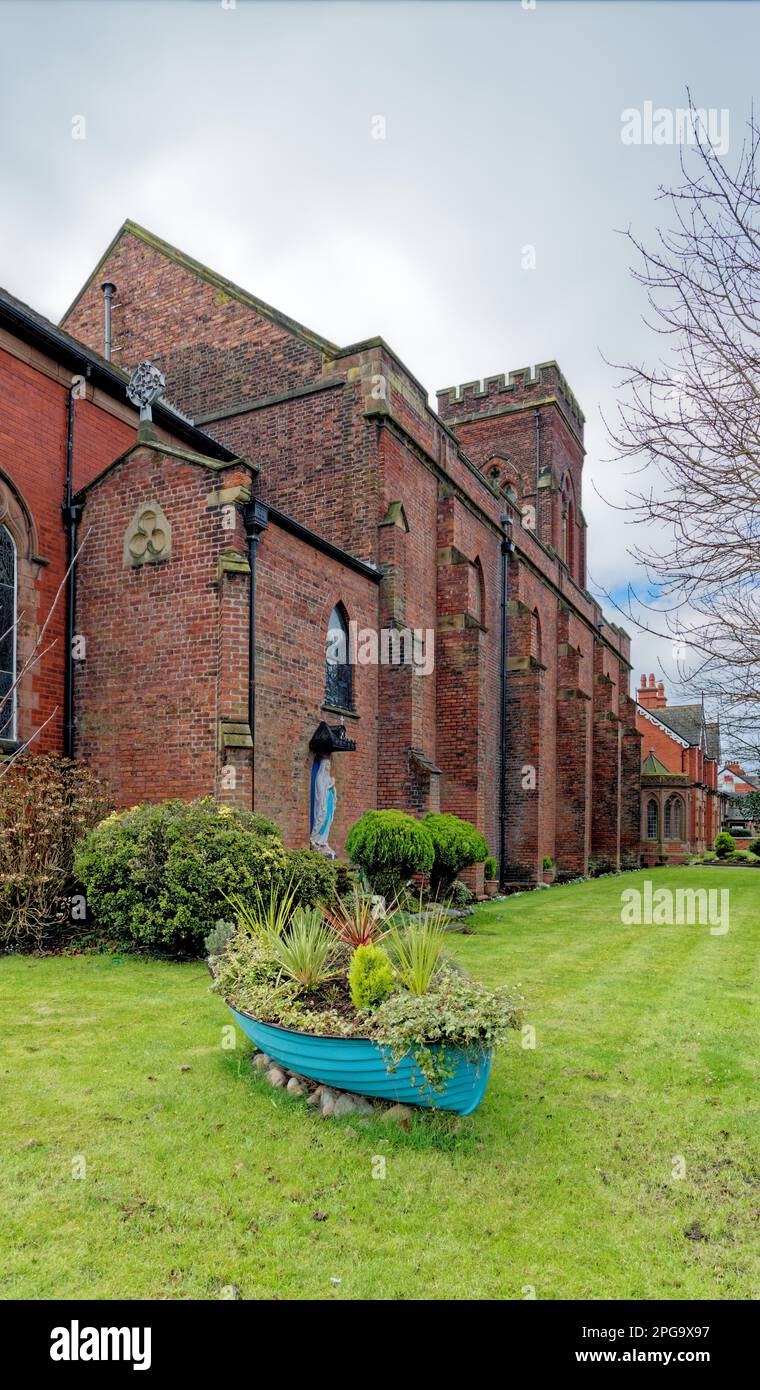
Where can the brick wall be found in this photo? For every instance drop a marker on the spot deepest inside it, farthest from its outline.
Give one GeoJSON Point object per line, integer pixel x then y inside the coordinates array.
{"type": "Point", "coordinates": [297, 588]}
{"type": "Point", "coordinates": [166, 663]}
{"type": "Point", "coordinates": [148, 693]}
{"type": "Point", "coordinates": [214, 350]}
{"type": "Point", "coordinates": [33, 433]}
{"type": "Point", "coordinates": [318, 461]}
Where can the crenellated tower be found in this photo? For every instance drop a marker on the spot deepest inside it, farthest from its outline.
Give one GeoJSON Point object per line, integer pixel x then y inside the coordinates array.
{"type": "Point", "coordinates": [524, 430]}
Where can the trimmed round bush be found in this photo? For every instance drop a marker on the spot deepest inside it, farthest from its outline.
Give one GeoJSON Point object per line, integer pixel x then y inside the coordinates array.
{"type": "Point", "coordinates": [157, 877]}
{"type": "Point", "coordinates": [390, 846]}
{"type": "Point", "coordinates": [754, 846]}
{"type": "Point", "coordinates": [724, 844]}
{"type": "Point", "coordinates": [456, 845]}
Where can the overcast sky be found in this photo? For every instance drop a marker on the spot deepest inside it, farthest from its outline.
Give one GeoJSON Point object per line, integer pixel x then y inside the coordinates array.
{"type": "Point", "coordinates": [243, 132]}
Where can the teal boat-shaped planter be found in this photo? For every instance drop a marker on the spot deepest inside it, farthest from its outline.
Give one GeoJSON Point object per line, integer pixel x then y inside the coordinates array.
{"type": "Point", "coordinates": [359, 1065]}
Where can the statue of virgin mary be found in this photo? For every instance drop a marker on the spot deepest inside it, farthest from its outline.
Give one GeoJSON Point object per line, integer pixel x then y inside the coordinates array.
{"type": "Point", "coordinates": [323, 798]}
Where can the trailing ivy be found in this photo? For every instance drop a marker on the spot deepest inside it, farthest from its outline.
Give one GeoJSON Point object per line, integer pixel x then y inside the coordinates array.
{"type": "Point", "coordinates": [456, 1013]}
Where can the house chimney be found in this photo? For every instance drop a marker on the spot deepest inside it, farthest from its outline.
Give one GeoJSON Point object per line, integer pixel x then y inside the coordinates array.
{"type": "Point", "coordinates": [651, 696]}
{"type": "Point", "coordinates": [109, 290]}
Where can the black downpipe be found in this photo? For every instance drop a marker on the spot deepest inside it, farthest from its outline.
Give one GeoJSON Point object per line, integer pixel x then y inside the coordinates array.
{"type": "Point", "coordinates": [256, 519]}
{"type": "Point", "coordinates": [507, 548]}
{"type": "Point", "coordinates": [71, 515]}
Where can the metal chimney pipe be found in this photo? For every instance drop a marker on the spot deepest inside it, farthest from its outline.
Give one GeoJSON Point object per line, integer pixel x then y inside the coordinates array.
{"type": "Point", "coordinates": [109, 291]}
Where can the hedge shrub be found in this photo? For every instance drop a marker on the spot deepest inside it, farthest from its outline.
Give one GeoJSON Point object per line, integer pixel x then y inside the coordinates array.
{"type": "Point", "coordinates": [157, 877]}
{"type": "Point", "coordinates": [456, 844]}
{"type": "Point", "coordinates": [390, 846]}
{"type": "Point", "coordinates": [47, 804]}
{"type": "Point", "coordinates": [724, 844]}
{"type": "Point", "coordinates": [315, 877]}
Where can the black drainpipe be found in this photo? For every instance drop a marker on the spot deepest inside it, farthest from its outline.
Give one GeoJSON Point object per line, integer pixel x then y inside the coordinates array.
{"type": "Point", "coordinates": [538, 468]}
{"type": "Point", "coordinates": [256, 520]}
{"type": "Point", "coordinates": [71, 514]}
{"type": "Point", "coordinates": [507, 547]}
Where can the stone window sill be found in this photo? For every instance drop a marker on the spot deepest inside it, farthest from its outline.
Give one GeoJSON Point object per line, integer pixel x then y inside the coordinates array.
{"type": "Point", "coordinates": [336, 709]}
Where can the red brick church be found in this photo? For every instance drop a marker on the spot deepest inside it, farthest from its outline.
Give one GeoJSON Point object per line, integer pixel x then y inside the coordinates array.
{"type": "Point", "coordinates": [297, 585]}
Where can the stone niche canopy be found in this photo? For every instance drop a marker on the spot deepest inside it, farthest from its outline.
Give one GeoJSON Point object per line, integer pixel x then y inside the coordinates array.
{"type": "Point", "coordinates": [330, 738]}
{"type": "Point", "coordinates": [148, 538]}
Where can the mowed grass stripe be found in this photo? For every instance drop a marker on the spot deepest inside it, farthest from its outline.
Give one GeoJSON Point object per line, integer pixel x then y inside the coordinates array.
{"type": "Point", "coordinates": [561, 1182]}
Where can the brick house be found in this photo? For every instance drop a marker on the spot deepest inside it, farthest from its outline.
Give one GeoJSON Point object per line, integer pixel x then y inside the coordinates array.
{"type": "Point", "coordinates": [680, 797]}
{"type": "Point", "coordinates": [296, 486]}
{"type": "Point", "coordinates": [734, 784]}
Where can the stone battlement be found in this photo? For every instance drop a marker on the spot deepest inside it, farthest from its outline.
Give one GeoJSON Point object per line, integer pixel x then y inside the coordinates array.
{"type": "Point", "coordinates": [520, 387]}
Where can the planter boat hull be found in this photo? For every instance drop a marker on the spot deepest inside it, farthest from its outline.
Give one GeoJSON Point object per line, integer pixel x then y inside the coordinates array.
{"type": "Point", "coordinates": [356, 1064]}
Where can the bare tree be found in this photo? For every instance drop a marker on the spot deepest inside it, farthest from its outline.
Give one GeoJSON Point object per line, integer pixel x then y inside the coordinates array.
{"type": "Point", "coordinates": [35, 655]}
{"type": "Point", "coordinates": [692, 424]}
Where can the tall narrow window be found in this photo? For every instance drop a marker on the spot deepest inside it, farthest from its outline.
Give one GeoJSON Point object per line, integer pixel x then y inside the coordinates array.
{"type": "Point", "coordinates": [535, 635]}
{"type": "Point", "coordinates": [674, 818]}
{"type": "Point", "coordinates": [568, 524]}
{"type": "Point", "coordinates": [479, 591]}
{"type": "Point", "coordinates": [652, 819]}
{"type": "Point", "coordinates": [338, 683]}
{"type": "Point", "coordinates": [7, 633]}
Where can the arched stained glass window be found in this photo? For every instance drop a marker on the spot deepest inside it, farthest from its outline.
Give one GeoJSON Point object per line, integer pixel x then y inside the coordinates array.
{"type": "Point", "coordinates": [652, 819]}
{"type": "Point", "coordinates": [338, 682]}
{"type": "Point", "coordinates": [7, 633]}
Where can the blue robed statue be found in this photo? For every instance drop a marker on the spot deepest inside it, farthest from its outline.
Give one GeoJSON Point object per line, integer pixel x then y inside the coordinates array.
{"type": "Point", "coordinates": [323, 797]}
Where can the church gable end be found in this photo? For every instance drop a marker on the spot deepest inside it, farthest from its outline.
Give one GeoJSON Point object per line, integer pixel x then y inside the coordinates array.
{"type": "Point", "coordinates": [217, 346]}
{"type": "Point", "coordinates": [154, 609]}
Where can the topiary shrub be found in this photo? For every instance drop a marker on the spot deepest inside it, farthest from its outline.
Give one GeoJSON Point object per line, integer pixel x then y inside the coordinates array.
{"type": "Point", "coordinates": [490, 868]}
{"type": "Point", "coordinates": [724, 844]}
{"type": "Point", "coordinates": [754, 846]}
{"type": "Point", "coordinates": [47, 804]}
{"type": "Point", "coordinates": [370, 977]}
{"type": "Point", "coordinates": [390, 846]}
{"type": "Point", "coordinates": [158, 877]}
{"type": "Point", "coordinates": [456, 844]}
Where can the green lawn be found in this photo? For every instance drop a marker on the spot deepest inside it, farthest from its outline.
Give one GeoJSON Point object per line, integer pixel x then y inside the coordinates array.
{"type": "Point", "coordinates": [199, 1176]}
